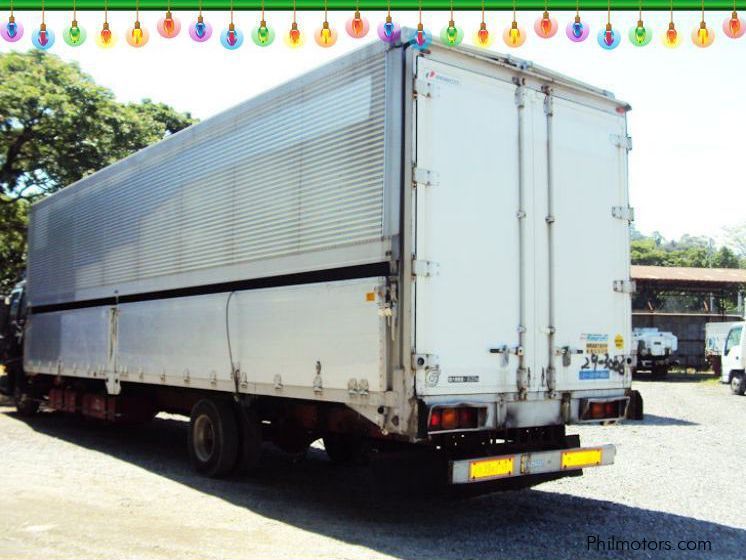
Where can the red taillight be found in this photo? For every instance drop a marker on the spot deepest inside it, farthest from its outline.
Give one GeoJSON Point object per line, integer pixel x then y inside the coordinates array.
{"type": "Point", "coordinates": [467, 417]}
{"type": "Point", "coordinates": [435, 419]}
{"type": "Point", "coordinates": [610, 410]}
{"type": "Point", "coordinates": [452, 418]}
{"type": "Point", "coordinates": [602, 410]}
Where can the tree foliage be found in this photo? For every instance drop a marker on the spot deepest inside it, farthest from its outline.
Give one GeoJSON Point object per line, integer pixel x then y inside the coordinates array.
{"type": "Point", "coordinates": [56, 126]}
{"type": "Point", "coordinates": [700, 252]}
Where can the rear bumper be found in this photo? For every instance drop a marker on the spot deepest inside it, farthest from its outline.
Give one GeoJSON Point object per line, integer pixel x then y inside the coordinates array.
{"type": "Point", "coordinates": [469, 471]}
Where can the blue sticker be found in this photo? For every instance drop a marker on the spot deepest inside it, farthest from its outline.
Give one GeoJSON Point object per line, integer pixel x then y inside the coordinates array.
{"type": "Point", "coordinates": [586, 374]}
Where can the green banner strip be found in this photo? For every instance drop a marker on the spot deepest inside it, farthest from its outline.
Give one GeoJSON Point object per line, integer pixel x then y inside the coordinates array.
{"type": "Point", "coordinates": [349, 5]}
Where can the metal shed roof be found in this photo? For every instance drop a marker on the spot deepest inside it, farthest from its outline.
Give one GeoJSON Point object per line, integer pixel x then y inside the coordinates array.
{"type": "Point", "coordinates": [689, 274]}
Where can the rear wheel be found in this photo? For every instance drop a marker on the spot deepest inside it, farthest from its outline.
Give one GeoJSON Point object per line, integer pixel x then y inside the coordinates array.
{"type": "Point", "coordinates": [213, 440]}
{"type": "Point", "coordinates": [738, 383]}
{"type": "Point", "coordinates": [25, 404]}
{"type": "Point", "coordinates": [660, 371]}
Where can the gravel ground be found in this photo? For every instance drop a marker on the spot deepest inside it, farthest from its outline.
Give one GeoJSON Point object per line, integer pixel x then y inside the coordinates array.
{"type": "Point", "coordinates": [76, 490]}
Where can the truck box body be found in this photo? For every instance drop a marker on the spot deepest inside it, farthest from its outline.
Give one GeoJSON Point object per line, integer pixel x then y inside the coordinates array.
{"type": "Point", "coordinates": [393, 231]}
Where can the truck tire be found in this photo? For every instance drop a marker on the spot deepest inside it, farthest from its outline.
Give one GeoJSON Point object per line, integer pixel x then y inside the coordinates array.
{"type": "Point", "coordinates": [25, 404]}
{"type": "Point", "coordinates": [660, 372]}
{"type": "Point", "coordinates": [213, 439]}
{"type": "Point", "coordinates": [738, 383]}
{"type": "Point", "coordinates": [347, 449]}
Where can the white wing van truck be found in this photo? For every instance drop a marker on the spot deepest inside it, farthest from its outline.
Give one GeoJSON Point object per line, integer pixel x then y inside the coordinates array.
{"type": "Point", "coordinates": [428, 247]}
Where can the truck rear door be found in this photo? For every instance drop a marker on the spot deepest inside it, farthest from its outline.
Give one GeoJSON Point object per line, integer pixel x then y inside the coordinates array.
{"type": "Point", "coordinates": [467, 267]}
{"type": "Point", "coordinates": [584, 256]}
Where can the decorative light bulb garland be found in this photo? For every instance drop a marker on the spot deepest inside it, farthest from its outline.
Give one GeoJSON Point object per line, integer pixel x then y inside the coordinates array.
{"type": "Point", "coordinates": [514, 36]}
{"type": "Point", "coordinates": [577, 31]}
{"type": "Point", "coordinates": [357, 26]}
{"type": "Point", "coordinates": [231, 37]}
{"type": "Point", "coordinates": [483, 38]}
{"type": "Point", "coordinates": [609, 38]}
{"type": "Point", "coordinates": [137, 36]}
{"type": "Point", "coordinates": [671, 38]}
{"type": "Point", "coordinates": [168, 26]}
{"type": "Point", "coordinates": [546, 26]}
{"type": "Point", "coordinates": [451, 35]}
{"type": "Point", "coordinates": [325, 36]}
{"type": "Point", "coordinates": [640, 35]}
{"type": "Point", "coordinates": [388, 31]}
{"type": "Point", "coordinates": [703, 36]}
{"type": "Point", "coordinates": [11, 30]}
{"type": "Point", "coordinates": [294, 38]}
{"type": "Point", "coordinates": [74, 35]}
{"type": "Point", "coordinates": [42, 38]}
{"type": "Point", "coordinates": [421, 37]}
{"type": "Point", "coordinates": [200, 31]}
{"type": "Point", "coordinates": [262, 34]}
{"type": "Point", "coordinates": [733, 26]}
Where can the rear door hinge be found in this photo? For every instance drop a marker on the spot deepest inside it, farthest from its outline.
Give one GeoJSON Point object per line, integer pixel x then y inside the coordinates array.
{"type": "Point", "coordinates": [621, 141]}
{"type": "Point", "coordinates": [624, 213]}
{"type": "Point", "coordinates": [424, 177]}
{"type": "Point", "coordinates": [425, 268]}
{"type": "Point", "coordinates": [625, 286]}
{"type": "Point", "coordinates": [424, 88]}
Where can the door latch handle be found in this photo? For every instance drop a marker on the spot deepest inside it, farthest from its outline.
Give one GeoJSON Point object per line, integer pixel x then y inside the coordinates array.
{"type": "Point", "coordinates": [505, 351]}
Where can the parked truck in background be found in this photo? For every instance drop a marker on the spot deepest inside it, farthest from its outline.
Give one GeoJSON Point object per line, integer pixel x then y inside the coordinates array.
{"type": "Point", "coordinates": [734, 359]}
{"type": "Point", "coordinates": [429, 248]}
{"type": "Point", "coordinates": [655, 350]}
{"type": "Point", "coordinates": [715, 336]}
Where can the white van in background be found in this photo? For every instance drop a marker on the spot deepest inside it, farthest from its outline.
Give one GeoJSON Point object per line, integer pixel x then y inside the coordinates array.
{"type": "Point", "coordinates": [734, 359]}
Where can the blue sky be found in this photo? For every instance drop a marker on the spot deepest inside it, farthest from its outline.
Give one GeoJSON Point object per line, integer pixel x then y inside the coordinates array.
{"type": "Point", "coordinates": [688, 121]}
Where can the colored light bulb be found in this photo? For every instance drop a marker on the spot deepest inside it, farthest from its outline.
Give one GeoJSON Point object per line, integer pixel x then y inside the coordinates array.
{"type": "Point", "coordinates": [74, 35]}
{"type": "Point", "coordinates": [577, 31]}
{"type": "Point", "coordinates": [451, 35]}
{"type": "Point", "coordinates": [514, 36]}
{"type": "Point", "coordinates": [357, 26]}
{"type": "Point", "coordinates": [703, 36]}
{"type": "Point", "coordinates": [105, 38]}
{"type": "Point", "coordinates": [11, 31]}
{"type": "Point", "coordinates": [231, 37]}
{"type": "Point", "coordinates": [200, 30]}
{"type": "Point", "coordinates": [546, 26]}
{"type": "Point", "coordinates": [639, 35]}
{"type": "Point", "coordinates": [262, 35]}
{"type": "Point", "coordinates": [609, 38]}
{"type": "Point", "coordinates": [421, 38]}
{"type": "Point", "coordinates": [168, 26]}
{"type": "Point", "coordinates": [325, 36]}
{"type": "Point", "coordinates": [733, 27]}
{"type": "Point", "coordinates": [483, 38]}
{"type": "Point", "coordinates": [388, 31]}
{"type": "Point", "coordinates": [43, 38]}
{"type": "Point", "coordinates": [294, 37]}
{"type": "Point", "coordinates": [137, 36]}
{"type": "Point", "coordinates": [671, 38]}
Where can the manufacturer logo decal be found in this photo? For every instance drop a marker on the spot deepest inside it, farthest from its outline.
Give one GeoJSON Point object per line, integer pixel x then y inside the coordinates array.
{"type": "Point", "coordinates": [463, 379]}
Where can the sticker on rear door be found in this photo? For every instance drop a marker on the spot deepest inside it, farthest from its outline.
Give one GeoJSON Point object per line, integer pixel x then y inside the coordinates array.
{"type": "Point", "coordinates": [595, 343]}
{"type": "Point", "coordinates": [591, 374]}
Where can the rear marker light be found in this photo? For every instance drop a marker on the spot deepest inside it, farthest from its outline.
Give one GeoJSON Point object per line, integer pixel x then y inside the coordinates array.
{"type": "Point", "coordinates": [453, 418]}
{"type": "Point", "coordinates": [450, 418]}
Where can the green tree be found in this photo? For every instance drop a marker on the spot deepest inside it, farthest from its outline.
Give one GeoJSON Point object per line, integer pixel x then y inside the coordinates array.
{"type": "Point", "coordinates": [57, 126]}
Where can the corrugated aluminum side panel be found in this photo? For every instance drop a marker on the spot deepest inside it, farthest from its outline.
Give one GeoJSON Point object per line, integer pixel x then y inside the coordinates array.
{"type": "Point", "coordinates": [293, 172]}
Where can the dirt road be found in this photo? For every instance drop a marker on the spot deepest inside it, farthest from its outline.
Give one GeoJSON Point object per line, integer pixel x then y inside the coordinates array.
{"type": "Point", "coordinates": [75, 490]}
